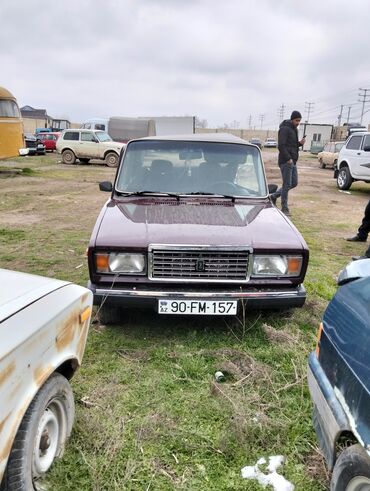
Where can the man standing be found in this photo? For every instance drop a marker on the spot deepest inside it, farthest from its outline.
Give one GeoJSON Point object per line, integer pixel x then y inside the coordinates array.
{"type": "Point", "coordinates": [288, 145]}
{"type": "Point", "coordinates": [363, 231]}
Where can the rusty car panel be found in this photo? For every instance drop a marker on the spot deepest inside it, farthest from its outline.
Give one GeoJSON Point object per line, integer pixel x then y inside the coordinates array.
{"type": "Point", "coordinates": [40, 337]}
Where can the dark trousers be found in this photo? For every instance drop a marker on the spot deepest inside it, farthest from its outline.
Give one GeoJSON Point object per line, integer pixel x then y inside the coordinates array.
{"type": "Point", "coordinates": [289, 175]}
{"type": "Point", "coordinates": [364, 228]}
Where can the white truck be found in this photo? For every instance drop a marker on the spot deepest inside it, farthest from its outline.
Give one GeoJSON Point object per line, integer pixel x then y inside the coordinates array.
{"type": "Point", "coordinates": [122, 129]}
{"type": "Point", "coordinates": [43, 328]}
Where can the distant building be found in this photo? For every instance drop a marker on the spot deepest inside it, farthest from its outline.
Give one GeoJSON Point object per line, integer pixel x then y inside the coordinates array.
{"type": "Point", "coordinates": [38, 118]}
{"type": "Point", "coordinates": [34, 118]}
{"type": "Point", "coordinates": [316, 136]}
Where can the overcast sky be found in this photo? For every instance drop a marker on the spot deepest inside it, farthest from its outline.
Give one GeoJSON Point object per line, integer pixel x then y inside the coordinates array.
{"type": "Point", "coordinates": [220, 60]}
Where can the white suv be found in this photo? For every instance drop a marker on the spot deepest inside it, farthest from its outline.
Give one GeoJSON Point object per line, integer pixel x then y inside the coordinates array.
{"type": "Point", "coordinates": [353, 161]}
{"type": "Point", "coordinates": [84, 145]}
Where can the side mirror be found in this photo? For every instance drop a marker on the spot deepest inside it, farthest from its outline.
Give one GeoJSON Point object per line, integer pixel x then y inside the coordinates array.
{"type": "Point", "coordinates": [367, 148]}
{"type": "Point", "coordinates": [106, 186]}
{"type": "Point", "coordinates": [354, 271]}
{"type": "Point", "coordinates": [272, 188]}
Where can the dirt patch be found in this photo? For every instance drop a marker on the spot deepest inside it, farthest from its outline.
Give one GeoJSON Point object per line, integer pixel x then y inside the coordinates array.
{"type": "Point", "coordinates": [316, 467]}
{"type": "Point", "coordinates": [280, 337]}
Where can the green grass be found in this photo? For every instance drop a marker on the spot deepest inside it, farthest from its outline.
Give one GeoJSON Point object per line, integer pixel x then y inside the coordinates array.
{"type": "Point", "coordinates": [149, 415]}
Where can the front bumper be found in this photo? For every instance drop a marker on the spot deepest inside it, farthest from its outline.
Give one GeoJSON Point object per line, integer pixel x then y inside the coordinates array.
{"type": "Point", "coordinates": [252, 298]}
{"type": "Point", "coordinates": [329, 419]}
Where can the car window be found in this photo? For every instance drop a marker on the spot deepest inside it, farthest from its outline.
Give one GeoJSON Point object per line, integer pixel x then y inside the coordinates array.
{"type": "Point", "coordinates": [103, 137]}
{"type": "Point", "coordinates": [192, 167]}
{"type": "Point", "coordinates": [71, 135]}
{"type": "Point", "coordinates": [9, 109]}
{"type": "Point", "coordinates": [366, 142]}
{"type": "Point", "coordinates": [100, 127]}
{"type": "Point", "coordinates": [338, 146]}
{"type": "Point", "coordinates": [87, 136]}
{"type": "Point", "coordinates": [354, 143]}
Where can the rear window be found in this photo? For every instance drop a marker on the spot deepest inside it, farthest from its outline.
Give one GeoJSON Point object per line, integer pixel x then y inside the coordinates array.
{"type": "Point", "coordinates": [71, 135]}
{"type": "Point", "coordinates": [9, 109]}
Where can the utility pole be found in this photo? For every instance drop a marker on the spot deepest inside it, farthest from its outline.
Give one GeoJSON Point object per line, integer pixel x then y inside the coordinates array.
{"type": "Point", "coordinates": [363, 98]}
{"type": "Point", "coordinates": [309, 108]}
{"type": "Point", "coordinates": [281, 111]}
{"type": "Point", "coordinates": [262, 117]}
{"type": "Point", "coordinates": [250, 122]}
{"type": "Point", "coordinates": [348, 113]}
{"type": "Point", "coordinates": [340, 115]}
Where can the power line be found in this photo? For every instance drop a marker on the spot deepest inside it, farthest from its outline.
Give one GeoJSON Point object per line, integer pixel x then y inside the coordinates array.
{"type": "Point", "coordinates": [308, 108]}
{"type": "Point", "coordinates": [262, 117]}
{"type": "Point", "coordinates": [362, 94]}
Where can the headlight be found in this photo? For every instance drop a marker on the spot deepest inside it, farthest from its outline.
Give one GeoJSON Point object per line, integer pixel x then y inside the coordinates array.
{"type": "Point", "coordinates": [277, 265]}
{"type": "Point", "coordinates": [118, 262]}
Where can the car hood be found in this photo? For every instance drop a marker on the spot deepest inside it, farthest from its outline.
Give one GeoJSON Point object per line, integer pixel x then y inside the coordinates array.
{"type": "Point", "coordinates": [17, 290]}
{"type": "Point", "coordinates": [113, 144]}
{"type": "Point", "coordinates": [140, 222]}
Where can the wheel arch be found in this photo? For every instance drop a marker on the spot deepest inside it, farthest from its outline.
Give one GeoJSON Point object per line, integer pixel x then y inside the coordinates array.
{"type": "Point", "coordinates": [110, 151]}
{"type": "Point", "coordinates": [11, 424]}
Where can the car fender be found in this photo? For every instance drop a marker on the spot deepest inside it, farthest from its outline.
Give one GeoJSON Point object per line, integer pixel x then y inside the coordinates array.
{"type": "Point", "coordinates": [54, 331]}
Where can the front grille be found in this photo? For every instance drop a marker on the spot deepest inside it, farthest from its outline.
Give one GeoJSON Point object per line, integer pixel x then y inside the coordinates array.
{"type": "Point", "coordinates": [197, 265]}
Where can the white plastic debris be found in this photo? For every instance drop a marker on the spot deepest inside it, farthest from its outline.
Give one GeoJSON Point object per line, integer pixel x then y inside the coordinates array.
{"type": "Point", "coordinates": [277, 481]}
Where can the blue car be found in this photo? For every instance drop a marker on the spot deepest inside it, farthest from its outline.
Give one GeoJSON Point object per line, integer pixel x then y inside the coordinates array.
{"type": "Point", "coordinates": [339, 381]}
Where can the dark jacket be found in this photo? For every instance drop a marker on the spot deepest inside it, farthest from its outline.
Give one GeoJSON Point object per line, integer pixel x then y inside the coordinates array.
{"type": "Point", "coordinates": [288, 142]}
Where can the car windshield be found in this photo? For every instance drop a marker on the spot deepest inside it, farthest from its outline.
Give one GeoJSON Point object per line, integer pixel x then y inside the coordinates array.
{"type": "Point", "coordinates": [103, 136]}
{"type": "Point", "coordinates": [192, 168]}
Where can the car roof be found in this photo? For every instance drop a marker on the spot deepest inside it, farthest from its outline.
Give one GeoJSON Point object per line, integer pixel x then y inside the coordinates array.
{"type": "Point", "coordinates": [198, 137]}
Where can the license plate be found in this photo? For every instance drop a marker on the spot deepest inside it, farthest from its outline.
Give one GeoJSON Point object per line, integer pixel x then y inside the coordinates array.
{"type": "Point", "coordinates": [198, 307]}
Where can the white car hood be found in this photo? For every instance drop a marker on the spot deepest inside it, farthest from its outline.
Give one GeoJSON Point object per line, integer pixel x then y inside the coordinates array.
{"type": "Point", "coordinates": [17, 290]}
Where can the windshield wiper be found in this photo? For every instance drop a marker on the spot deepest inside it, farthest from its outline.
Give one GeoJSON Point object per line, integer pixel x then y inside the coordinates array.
{"type": "Point", "coordinates": [144, 193]}
{"type": "Point", "coordinates": [206, 193]}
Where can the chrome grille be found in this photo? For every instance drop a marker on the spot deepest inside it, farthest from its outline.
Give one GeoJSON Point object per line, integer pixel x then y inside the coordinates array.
{"type": "Point", "coordinates": [197, 265]}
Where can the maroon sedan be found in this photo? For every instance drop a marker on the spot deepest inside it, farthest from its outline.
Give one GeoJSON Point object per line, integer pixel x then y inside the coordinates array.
{"type": "Point", "coordinates": [49, 140]}
{"type": "Point", "coordinates": [190, 229]}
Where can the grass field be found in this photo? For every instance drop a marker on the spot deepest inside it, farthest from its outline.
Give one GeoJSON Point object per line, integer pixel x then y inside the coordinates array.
{"type": "Point", "coordinates": [150, 415]}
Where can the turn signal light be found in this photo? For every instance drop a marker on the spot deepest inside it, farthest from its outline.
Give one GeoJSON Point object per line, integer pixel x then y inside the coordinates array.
{"type": "Point", "coordinates": [318, 340]}
{"type": "Point", "coordinates": [294, 265]}
{"type": "Point", "coordinates": [102, 263]}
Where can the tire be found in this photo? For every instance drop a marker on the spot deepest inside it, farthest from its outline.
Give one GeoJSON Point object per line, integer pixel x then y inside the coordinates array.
{"type": "Point", "coordinates": [322, 165]}
{"type": "Point", "coordinates": [352, 470]}
{"type": "Point", "coordinates": [344, 178]}
{"type": "Point", "coordinates": [68, 157]}
{"type": "Point", "coordinates": [335, 164]}
{"type": "Point", "coordinates": [111, 159]}
{"type": "Point", "coordinates": [109, 314]}
{"type": "Point", "coordinates": [47, 422]}
{"type": "Point", "coordinates": [84, 161]}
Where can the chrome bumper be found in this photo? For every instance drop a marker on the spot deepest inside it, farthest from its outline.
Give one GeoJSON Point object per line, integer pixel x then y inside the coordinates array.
{"type": "Point", "coordinates": [292, 297]}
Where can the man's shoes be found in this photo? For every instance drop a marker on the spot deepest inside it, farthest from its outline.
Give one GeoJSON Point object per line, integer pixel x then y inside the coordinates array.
{"type": "Point", "coordinates": [356, 258]}
{"type": "Point", "coordinates": [356, 238]}
{"type": "Point", "coordinates": [286, 212]}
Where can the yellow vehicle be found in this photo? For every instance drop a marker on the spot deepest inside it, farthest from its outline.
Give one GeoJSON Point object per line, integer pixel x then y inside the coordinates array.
{"type": "Point", "coordinates": [11, 126]}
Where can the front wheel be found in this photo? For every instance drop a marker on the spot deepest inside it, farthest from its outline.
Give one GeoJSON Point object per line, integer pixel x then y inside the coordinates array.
{"type": "Point", "coordinates": [344, 178]}
{"type": "Point", "coordinates": [111, 159]}
{"type": "Point", "coordinates": [68, 157]}
{"type": "Point", "coordinates": [352, 470]}
{"type": "Point", "coordinates": [42, 435]}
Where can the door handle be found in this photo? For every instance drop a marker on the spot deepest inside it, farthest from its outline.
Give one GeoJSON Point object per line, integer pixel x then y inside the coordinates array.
{"type": "Point", "coordinates": [358, 153]}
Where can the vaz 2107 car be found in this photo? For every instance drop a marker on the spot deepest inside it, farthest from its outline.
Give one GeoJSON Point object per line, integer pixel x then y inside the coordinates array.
{"type": "Point", "coordinates": [190, 229]}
